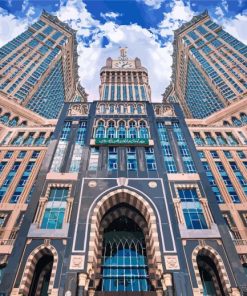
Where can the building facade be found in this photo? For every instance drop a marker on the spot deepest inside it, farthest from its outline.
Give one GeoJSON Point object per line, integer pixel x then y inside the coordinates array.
{"type": "Point", "coordinates": [38, 68]}
{"type": "Point", "coordinates": [211, 62]}
{"type": "Point", "coordinates": [209, 68]}
{"type": "Point", "coordinates": [42, 61]}
{"type": "Point", "coordinates": [122, 204]}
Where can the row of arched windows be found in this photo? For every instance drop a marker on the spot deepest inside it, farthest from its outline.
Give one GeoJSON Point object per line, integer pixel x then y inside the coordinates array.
{"type": "Point", "coordinates": [131, 129]}
{"type": "Point", "coordinates": [6, 119]}
{"type": "Point", "coordinates": [130, 108]}
{"type": "Point", "coordinates": [234, 121]}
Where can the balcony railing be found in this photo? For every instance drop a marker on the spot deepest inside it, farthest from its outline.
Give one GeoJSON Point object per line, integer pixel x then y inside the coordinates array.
{"type": "Point", "coordinates": [240, 242]}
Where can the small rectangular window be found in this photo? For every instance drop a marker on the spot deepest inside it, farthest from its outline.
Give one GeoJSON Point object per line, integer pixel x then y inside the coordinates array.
{"type": "Point", "coordinates": [150, 159]}
{"type": "Point", "coordinates": [112, 159]}
{"type": "Point", "coordinates": [94, 158]}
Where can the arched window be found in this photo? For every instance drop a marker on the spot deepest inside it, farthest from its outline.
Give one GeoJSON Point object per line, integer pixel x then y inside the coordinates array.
{"type": "Point", "coordinates": [143, 130]}
{"type": "Point", "coordinates": [124, 264]}
{"type": "Point", "coordinates": [5, 118]}
{"type": "Point", "coordinates": [226, 123]}
{"type": "Point", "coordinates": [209, 276]}
{"type": "Point", "coordinates": [132, 109]}
{"type": "Point", "coordinates": [111, 132]}
{"type": "Point", "coordinates": [111, 108]}
{"type": "Point", "coordinates": [132, 130]}
{"type": "Point", "coordinates": [100, 131]}
{"type": "Point", "coordinates": [122, 130]}
{"type": "Point", "coordinates": [243, 117]}
{"type": "Point", "coordinates": [41, 276]}
{"type": "Point", "coordinates": [102, 108]}
{"type": "Point", "coordinates": [139, 109]}
{"type": "Point", "coordinates": [236, 121]}
{"type": "Point", "coordinates": [14, 121]}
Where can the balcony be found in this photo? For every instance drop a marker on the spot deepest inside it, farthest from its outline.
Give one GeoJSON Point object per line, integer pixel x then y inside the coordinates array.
{"type": "Point", "coordinates": [6, 246]}
{"type": "Point", "coordinates": [241, 245]}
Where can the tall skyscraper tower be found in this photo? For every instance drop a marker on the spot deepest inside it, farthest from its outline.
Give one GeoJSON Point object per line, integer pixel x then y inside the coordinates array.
{"type": "Point", "coordinates": [123, 205]}
{"type": "Point", "coordinates": [38, 68]}
{"type": "Point", "coordinates": [209, 82]}
{"type": "Point", "coordinates": [209, 67]}
{"type": "Point", "coordinates": [38, 71]}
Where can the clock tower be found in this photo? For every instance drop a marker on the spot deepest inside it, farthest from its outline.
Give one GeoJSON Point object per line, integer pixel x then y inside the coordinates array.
{"type": "Point", "coordinates": [124, 79]}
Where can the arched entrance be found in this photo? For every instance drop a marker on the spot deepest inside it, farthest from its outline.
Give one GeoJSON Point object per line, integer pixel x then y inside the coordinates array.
{"type": "Point", "coordinates": [41, 276]}
{"type": "Point", "coordinates": [209, 276]}
{"type": "Point", "coordinates": [39, 273]}
{"type": "Point", "coordinates": [210, 272]}
{"type": "Point", "coordinates": [124, 263]}
{"type": "Point", "coordinates": [124, 251]}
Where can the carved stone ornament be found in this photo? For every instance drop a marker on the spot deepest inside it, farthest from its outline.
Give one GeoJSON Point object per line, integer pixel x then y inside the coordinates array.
{"type": "Point", "coordinates": [152, 184]}
{"type": "Point", "coordinates": [122, 181]}
{"type": "Point", "coordinates": [47, 242]}
{"type": "Point", "coordinates": [78, 109]}
{"type": "Point", "coordinates": [92, 184]}
{"type": "Point", "coordinates": [172, 262]}
{"type": "Point", "coordinates": [77, 262]}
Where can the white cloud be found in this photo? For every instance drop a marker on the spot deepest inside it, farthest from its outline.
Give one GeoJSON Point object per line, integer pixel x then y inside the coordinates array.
{"type": "Point", "coordinates": [236, 26]}
{"type": "Point", "coordinates": [224, 3]}
{"type": "Point", "coordinates": [219, 12]}
{"type": "Point", "coordinates": [179, 14]}
{"type": "Point", "coordinates": [10, 26]}
{"type": "Point", "coordinates": [25, 4]}
{"type": "Point", "coordinates": [141, 42]}
{"type": "Point", "coordinates": [156, 4]}
{"type": "Point", "coordinates": [110, 15]}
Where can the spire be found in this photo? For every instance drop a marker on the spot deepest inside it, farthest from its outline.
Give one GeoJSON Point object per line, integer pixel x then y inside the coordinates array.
{"type": "Point", "coordinates": [123, 52]}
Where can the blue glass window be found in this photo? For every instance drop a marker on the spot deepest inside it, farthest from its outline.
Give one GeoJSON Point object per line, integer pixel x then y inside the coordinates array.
{"type": "Point", "coordinates": [131, 159]}
{"type": "Point", "coordinates": [2, 165]}
{"type": "Point", "coordinates": [184, 149]}
{"type": "Point", "coordinates": [8, 154]}
{"type": "Point", "coordinates": [240, 154]}
{"type": "Point", "coordinates": [150, 159]}
{"type": "Point", "coordinates": [55, 209]}
{"type": "Point", "coordinates": [227, 182]}
{"type": "Point", "coordinates": [166, 149]}
{"type": "Point", "coordinates": [192, 209]}
{"type": "Point", "coordinates": [22, 154]}
{"type": "Point", "coordinates": [124, 259]}
{"type": "Point", "coordinates": [106, 92]}
{"type": "Point", "coordinates": [94, 158]}
{"type": "Point", "coordinates": [35, 154]}
{"type": "Point", "coordinates": [214, 154]}
{"type": "Point", "coordinates": [122, 130]}
{"type": "Point", "coordinates": [227, 154]}
{"type": "Point", "coordinates": [112, 159]}
{"type": "Point", "coordinates": [21, 184]}
{"type": "Point", "coordinates": [143, 130]}
{"type": "Point", "coordinates": [100, 131]}
{"type": "Point", "coordinates": [48, 30]}
{"type": "Point", "coordinates": [132, 130]}
{"type": "Point", "coordinates": [53, 218]}
{"type": "Point", "coordinates": [8, 179]}
{"type": "Point", "coordinates": [111, 131]}
{"type": "Point", "coordinates": [112, 92]}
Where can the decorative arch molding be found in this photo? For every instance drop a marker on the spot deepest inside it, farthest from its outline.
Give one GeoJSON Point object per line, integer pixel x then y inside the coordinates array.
{"type": "Point", "coordinates": [33, 258]}
{"type": "Point", "coordinates": [219, 264]}
{"type": "Point", "coordinates": [108, 201]}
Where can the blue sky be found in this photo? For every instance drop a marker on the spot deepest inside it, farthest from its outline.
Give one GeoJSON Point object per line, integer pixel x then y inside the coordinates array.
{"type": "Point", "coordinates": [144, 26]}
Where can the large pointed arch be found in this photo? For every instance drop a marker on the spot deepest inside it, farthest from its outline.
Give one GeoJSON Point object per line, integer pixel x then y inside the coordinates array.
{"type": "Point", "coordinates": [147, 216]}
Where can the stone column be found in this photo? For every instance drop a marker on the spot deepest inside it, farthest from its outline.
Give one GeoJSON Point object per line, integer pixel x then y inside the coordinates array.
{"type": "Point", "coordinates": [167, 278]}
{"type": "Point", "coordinates": [82, 281]}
